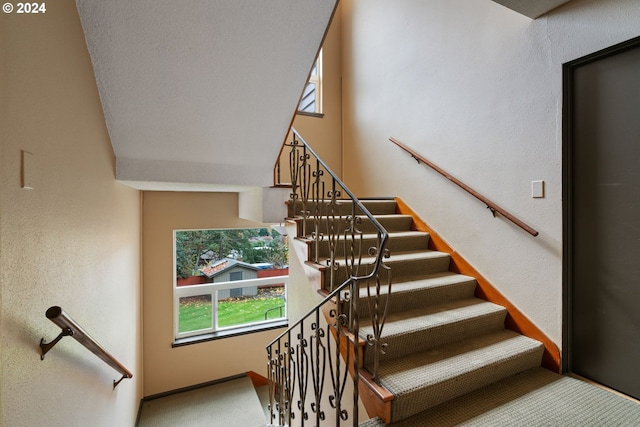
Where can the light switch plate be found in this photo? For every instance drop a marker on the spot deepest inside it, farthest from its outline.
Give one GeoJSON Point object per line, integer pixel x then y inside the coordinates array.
{"type": "Point", "coordinates": [27, 169]}
{"type": "Point", "coordinates": [537, 189]}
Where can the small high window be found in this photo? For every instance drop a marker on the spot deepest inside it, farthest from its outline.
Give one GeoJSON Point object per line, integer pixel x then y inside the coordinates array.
{"type": "Point", "coordinates": [311, 101]}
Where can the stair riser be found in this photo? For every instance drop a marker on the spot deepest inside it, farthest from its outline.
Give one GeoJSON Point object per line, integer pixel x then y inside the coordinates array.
{"type": "Point", "coordinates": [384, 207]}
{"type": "Point", "coordinates": [430, 396]}
{"type": "Point", "coordinates": [440, 335]}
{"type": "Point", "coordinates": [411, 300]}
{"type": "Point", "coordinates": [340, 225]}
{"type": "Point", "coordinates": [400, 270]}
{"type": "Point", "coordinates": [413, 243]}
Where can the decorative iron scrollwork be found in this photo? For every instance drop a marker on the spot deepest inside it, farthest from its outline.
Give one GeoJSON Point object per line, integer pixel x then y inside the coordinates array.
{"type": "Point", "coordinates": [333, 219]}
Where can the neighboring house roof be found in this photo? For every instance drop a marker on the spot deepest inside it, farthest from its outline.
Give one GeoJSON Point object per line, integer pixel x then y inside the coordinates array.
{"type": "Point", "coordinates": [223, 265]}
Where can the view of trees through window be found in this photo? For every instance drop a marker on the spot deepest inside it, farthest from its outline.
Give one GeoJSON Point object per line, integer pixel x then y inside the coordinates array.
{"type": "Point", "coordinates": [195, 248]}
{"type": "Point", "coordinates": [208, 262]}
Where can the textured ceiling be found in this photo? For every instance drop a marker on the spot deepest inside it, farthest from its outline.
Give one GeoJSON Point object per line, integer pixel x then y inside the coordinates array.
{"type": "Point", "coordinates": [532, 8]}
{"type": "Point", "coordinates": [200, 93]}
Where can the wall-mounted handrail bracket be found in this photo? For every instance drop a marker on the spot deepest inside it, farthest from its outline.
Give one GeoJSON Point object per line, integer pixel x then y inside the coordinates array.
{"type": "Point", "coordinates": [115, 383]}
{"type": "Point", "coordinates": [493, 210]}
{"type": "Point", "coordinates": [45, 347]}
{"type": "Point", "coordinates": [71, 328]}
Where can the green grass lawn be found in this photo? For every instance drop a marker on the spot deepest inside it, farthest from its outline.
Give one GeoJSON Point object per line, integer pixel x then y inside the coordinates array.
{"type": "Point", "coordinates": [195, 312]}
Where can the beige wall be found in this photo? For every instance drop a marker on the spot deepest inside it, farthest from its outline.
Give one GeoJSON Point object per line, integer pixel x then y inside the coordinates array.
{"type": "Point", "coordinates": [168, 368]}
{"type": "Point", "coordinates": [477, 89]}
{"type": "Point", "coordinates": [72, 241]}
{"type": "Point", "coordinates": [324, 134]}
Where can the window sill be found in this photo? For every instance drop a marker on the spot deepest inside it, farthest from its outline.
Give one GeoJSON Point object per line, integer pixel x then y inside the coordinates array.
{"type": "Point", "coordinates": [229, 333]}
{"type": "Point", "coordinates": [304, 113]}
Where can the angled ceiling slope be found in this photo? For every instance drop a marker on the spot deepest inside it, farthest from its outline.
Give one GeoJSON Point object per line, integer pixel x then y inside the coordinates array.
{"type": "Point", "coordinates": [532, 8]}
{"type": "Point", "coordinates": [200, 95]}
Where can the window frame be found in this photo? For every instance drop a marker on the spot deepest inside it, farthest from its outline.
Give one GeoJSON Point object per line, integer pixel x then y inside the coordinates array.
{"type": "Point", "coordinates": [212, 289]}
{"type": "Point", "coordinates": [317, 80]}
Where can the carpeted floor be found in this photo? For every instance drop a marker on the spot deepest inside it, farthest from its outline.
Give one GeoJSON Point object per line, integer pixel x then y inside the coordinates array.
{"type": "Point", "coordinates": [536, 398]}
{"type": "Point", "coordinates": [212, 406]}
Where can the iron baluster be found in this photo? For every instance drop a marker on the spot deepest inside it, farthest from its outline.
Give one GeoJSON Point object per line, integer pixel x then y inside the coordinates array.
{"type": "Point", "coordinates": [333, 219]}
{"type": "Point", "coordinates": [302, 360]}
{"type": "Point", "coordinates": [378, 313]}
{"type": "Point", "coordinates": [318, 202]}
{"type": "Point", "coordinates": [318, 367]}
{"type": "Point", "coordinates": [291, 362]}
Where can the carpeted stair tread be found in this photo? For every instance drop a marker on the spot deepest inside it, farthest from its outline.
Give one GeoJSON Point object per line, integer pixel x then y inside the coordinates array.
{"type": "Point", "coordinates": [409, 256]}
{"type": "Point", "coordinates": [425, 379]}
{"type": "Point", "coordinates": [435, 325]}
{"type": "Point", "coordinates": [533, 398]}
{"type": "Point", "coordinates": [403, 265]}
{"type": "Point", "coordinates": [398, 241]}
{"type": "Point", "coordinates": [432, 288]}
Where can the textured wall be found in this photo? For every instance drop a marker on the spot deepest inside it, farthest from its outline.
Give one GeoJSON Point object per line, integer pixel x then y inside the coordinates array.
{"type": "Point", "coordinates": [325, 134]}
{"type": "Point", "coordinates": [169, 368]}
{"type": "Point", "coordinates": [201, 92]}
{"type": "Point", "coordinates": [73, 240]}
{"type": "Point", "coordinates": [477, 89]}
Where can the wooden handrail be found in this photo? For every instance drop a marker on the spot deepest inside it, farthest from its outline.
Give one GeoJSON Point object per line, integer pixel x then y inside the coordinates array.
{"type": "Point", "coordinates": [71, 328]}
{"type": "Point", "coordinates": [493, 207]}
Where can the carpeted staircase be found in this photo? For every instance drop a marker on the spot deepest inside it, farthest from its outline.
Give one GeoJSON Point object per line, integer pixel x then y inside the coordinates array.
{"type": "Point", "coordinates": [443, 342]}
{"type": "Point", "coordinates": [450, 360]}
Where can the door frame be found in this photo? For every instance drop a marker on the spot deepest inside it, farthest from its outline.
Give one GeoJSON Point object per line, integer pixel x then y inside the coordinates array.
{"type": "Point", "coordinates": [568, 70]}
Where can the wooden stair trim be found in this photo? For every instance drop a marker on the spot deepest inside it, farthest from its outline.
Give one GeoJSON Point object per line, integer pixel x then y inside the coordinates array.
{"type": "Point", "coordinates": [257, 379]}
{"type": "Point", "coordinates": [515, 320]}
{"type": "Point", "coordinates": [375, 398]}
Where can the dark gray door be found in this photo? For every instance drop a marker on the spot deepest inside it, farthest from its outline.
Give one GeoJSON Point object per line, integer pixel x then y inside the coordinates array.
{"type": "Point", "coordinates": [602, 179]}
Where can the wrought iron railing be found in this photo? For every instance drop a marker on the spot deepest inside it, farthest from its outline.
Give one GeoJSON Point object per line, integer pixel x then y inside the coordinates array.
{"type": "Point", "coordinates": [311, 363]}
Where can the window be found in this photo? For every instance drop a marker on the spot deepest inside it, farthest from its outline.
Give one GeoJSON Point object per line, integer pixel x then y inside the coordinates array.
{"type": "Point", "coordinates": [229, 281]}
{"type": "Point", "coordinates": [311, 101]}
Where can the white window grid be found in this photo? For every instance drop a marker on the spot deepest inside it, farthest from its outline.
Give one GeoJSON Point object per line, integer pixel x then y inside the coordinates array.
{"type": "Point", "coordinates": [211, 289]}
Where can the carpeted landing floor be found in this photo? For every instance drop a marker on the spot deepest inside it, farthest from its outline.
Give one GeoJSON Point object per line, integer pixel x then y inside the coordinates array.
{"type": "Point", "coordinates": [535, 398]}
{"type": "Point", "coordinates": [231, 403]}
